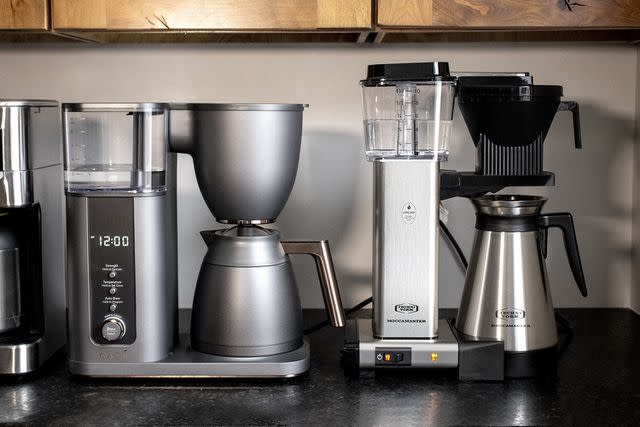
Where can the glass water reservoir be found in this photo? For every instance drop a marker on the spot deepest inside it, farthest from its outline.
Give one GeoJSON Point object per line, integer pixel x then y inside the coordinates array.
{"type": "Point", "coordinates": [115, 147]}
{"type": "Point", "coordinates": [408, 110]}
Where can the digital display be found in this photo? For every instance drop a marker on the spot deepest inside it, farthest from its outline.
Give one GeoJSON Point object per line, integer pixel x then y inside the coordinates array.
{"type": "Point", "coordinates": [116, 241]}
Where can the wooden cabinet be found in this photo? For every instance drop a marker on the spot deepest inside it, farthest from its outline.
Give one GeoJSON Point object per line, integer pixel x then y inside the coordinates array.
{"type": "Point", "coordinates": [30, 15]}
{"type": "Point", "coordinates": [211, 15]}
{"type": "Point", "coordinates": [508, 14]}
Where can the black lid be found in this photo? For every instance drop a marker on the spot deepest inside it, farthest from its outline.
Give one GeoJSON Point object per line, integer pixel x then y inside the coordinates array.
{"type": "Point", "coordinates": [383, 74]}
{"type": "Point", "coordinates": [503, 89]}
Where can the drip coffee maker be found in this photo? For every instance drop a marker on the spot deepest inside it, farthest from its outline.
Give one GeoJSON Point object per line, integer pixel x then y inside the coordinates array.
{"type": "Point", "coordinates": [121, 198]}
{"type": "Point", "coordinates": [408, 112]}
{"type": "Point", "coordinates": [31, 235]}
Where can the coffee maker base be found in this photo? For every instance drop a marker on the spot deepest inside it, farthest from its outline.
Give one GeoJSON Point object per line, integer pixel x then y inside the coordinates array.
{"type": "Point", "coordinates": [470, 360]}
{"type": "Point", "coordinates": [184, 362]}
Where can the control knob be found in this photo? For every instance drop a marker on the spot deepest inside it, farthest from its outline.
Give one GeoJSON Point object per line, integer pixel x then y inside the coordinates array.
{"type": "Point", "coordinates": [113, 329]}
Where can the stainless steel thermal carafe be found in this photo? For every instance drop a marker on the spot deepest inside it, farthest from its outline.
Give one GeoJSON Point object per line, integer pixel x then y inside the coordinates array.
{"type": "Point", "coordinates": [506, 294]}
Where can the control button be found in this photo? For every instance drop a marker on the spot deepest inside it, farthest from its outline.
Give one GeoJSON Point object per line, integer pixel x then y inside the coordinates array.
{"type": "Point", "coordinates": [113, 307]}
{"type": "Point", "coordinates": [112, 329]}
{"type": "Point", "coordinates": [113, 291]}
{"type": "Point", "coordinates": [399, 357]}
{"type": "Point", "coordinates": [112, 274]}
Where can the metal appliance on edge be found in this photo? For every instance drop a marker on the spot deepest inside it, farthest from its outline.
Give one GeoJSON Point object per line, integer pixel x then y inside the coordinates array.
{"type": "Point", "coordinates": [32, 293]}
{"type": "Point", "coordinates": [121, 200]}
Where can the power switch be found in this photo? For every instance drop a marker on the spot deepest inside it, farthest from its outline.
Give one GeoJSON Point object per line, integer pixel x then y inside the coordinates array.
{"type": "Point", "coordinates": [393, 356]}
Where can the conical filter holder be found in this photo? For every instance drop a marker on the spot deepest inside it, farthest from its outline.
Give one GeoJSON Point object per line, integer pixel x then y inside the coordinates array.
{"type": "Point", "coordinates": [508, 118]}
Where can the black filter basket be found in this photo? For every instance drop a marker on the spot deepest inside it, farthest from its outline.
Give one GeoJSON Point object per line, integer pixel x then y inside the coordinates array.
{"type": "Point", "coordinates": [508, 118]}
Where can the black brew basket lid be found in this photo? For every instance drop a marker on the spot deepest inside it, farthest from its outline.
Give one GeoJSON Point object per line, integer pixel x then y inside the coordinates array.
{"type": "Point", "coordinates": [505, 88]}
{"type": "Point", "coordinates": [390, 74]}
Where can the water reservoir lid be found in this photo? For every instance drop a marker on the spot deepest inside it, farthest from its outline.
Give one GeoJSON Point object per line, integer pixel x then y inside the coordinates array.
{"type": "Point", "coordinates": [390, 74]}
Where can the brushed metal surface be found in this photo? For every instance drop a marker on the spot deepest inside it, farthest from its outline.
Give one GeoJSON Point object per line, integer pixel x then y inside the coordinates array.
{"type": "Point", "coordinates": [16, 188]}
{"type": "Point", "coordinates": [245, 160]}
{"type": "Point", "coordinates": [405, 250]}
{"type": "Point", "coordinates": [506, 293]}
{"type": "Point", "coordinates": [321, 254]}
{"type": "Point", "coordinates": [30, 135]}
{"type": "Point", "coordinates": [10, 309]}
{"type": "Point", "coordinates": [508, 204]}
{"type": "Point", "coordinates": [246, 311]}
{"type": "Point", "coordinates": [21, 358]}
{"type": "Point", "coordinates": [445, 346]}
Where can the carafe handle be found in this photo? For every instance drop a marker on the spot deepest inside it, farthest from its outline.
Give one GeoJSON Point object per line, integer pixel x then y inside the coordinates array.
{"type": "Point", "coordinates": [564, 221]}
{"type": "Point", "coordinates": [321, 254]}
{"type": "Point", "coordinates": [575, 111]}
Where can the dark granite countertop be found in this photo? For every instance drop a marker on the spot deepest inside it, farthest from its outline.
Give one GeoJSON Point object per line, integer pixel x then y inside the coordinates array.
{"type": "Point", "coordinates": [598, 383]}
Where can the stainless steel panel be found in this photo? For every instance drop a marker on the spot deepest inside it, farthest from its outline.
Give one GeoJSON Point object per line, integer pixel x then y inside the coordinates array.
{"type": "Point", "coordinates": [445, 346]}
{"type": "Point", "coordinates": [13, 137]}
{"type": "Point", "coordinates": [10, 310]}
{"type": "Point", "coordinates": [16, 189]}
{"type": "Point", "coordinates": [506, 294]}
{"type": "Point", "coordinates": [21, 358]}
{"type": "Point", "coordinates": [405, 258]}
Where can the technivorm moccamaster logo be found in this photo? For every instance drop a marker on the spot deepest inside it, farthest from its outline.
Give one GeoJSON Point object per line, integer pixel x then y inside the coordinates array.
{"type": "Point", "coordinates": [510, 313]}
{"type": "Point", "coordinates": [406, 308]}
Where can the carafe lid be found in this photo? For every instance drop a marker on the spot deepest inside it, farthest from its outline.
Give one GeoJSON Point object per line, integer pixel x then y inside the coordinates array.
{"type": "Point", "coordinates": [390, 74]}
{"type": "Point", "coordinates": [244, 246]}
{"type": "Point", "coordinates": [508, 205]}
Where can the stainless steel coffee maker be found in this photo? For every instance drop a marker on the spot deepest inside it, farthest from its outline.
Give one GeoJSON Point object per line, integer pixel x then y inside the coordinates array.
{"type": "Point", "coordinates": [408, 116]}
{"type": "Point", "coordinates": [121, 198]}
{"type": "Point", "coordinates": [32, 306]}
{"type": "Point", "coordinates": [506, 293]}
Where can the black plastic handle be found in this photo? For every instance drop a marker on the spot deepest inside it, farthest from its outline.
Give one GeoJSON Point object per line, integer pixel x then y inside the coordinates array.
{"type": "Point", "coordinates": [564, 221]}
{"type": "Point", "coordinates": [575, 111]}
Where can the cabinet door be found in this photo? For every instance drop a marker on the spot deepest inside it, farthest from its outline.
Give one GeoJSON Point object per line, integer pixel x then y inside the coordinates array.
{"type": "Point", "coordinates": [24, 15]}
{"type": "Point", "coordinates": [509, 14]}
{"type": "Point", "coordinates": [223, 15]}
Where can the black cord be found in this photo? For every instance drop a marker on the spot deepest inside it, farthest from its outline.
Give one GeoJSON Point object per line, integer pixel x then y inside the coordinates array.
{"type": "Point", "coordinates": [452, 241]}
{"type": "Point", "coordinates": [324, 323]}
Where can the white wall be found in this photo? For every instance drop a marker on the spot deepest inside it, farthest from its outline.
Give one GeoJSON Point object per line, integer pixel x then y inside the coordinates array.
{"type": "Point", "coordinates": [332, 195]}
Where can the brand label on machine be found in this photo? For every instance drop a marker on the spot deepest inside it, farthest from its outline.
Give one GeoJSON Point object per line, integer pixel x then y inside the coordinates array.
{"type": "Point", "coordinates": [510, 313]}
{"type": "Point", "coordinates": [406, 308]}
{"type": "Point", "coordinates": [409, 213]}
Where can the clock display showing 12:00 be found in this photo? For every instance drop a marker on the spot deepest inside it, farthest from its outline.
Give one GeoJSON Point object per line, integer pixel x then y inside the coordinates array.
{"type": "Point", "coordinates": [113, 241]}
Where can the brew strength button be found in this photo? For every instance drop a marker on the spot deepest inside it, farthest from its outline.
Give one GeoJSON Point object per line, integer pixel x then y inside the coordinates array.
{"type": "Point", "coordinates": [112, 274]}
{"type": "Point", "coordinates": [112, 329]}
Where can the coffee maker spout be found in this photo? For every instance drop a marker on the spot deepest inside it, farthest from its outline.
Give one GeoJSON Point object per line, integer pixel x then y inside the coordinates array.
{"type": "Point", "coordinates": [321, 254]}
